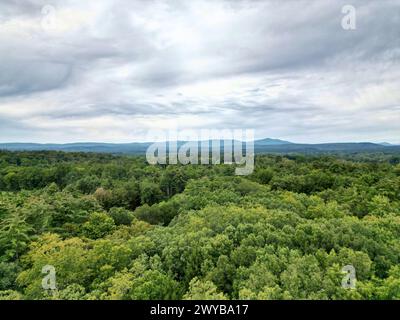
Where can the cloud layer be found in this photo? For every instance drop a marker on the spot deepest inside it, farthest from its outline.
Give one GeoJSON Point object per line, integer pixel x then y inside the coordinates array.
{"type": "Point", "coordinates": [112, 70]}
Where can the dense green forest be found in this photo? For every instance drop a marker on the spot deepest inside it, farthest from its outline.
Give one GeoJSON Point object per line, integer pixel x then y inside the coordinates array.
{"type": "Point", "coordinates": [115, 227]}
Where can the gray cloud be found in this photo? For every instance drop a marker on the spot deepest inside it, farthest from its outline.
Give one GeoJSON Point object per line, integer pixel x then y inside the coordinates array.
{"type": "Point", "coordinates": [110, 69]}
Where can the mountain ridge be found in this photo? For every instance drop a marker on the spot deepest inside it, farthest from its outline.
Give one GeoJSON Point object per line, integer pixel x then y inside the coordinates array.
{"type": "Point", "coordinates": [267, 145]}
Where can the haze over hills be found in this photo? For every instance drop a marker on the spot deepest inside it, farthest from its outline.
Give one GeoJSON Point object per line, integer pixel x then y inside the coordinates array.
{"type": "Point", "coordinates": [267, 145]}
{"type": "Point", "coordinates": [387, 144]}
{"type": "Point", "coordinates": [272, 142]}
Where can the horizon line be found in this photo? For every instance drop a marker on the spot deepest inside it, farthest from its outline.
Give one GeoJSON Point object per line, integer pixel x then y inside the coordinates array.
{"type": "Point", "coordinates": [220, 139]}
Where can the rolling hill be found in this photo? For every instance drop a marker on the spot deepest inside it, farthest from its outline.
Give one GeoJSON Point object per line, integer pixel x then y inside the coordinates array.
{"type": "Point", "coordinates": [261, 146]}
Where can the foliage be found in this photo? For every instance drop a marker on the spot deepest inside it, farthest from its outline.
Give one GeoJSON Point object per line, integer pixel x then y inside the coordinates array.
{"type": "Point", "coordinates": [115, 227]}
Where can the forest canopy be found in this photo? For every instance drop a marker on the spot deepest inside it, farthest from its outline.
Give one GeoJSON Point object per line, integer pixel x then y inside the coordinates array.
{"type": "Point", "coordinates": [114, 227]}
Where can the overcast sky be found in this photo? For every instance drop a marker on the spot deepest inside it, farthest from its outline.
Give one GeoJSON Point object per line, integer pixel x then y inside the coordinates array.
{"type": "Point", "coordinates": [110, 70]}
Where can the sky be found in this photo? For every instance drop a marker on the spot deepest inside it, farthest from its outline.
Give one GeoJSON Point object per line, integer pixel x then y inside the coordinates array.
{"type": "Point", "coordinates": [115, 70]}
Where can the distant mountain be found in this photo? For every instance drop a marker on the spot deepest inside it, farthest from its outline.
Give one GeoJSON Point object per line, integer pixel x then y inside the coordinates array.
{"type": "Point", "coordinates": [272, 142]}
{"type": "Point", "coordinates": [387, 144]}
{"type": "Point", "coordinates": [133, 148]}
{"type": "Point", "coordinates": [350, 147]}
{"type": "Point", "coordinates": [260, 146]}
